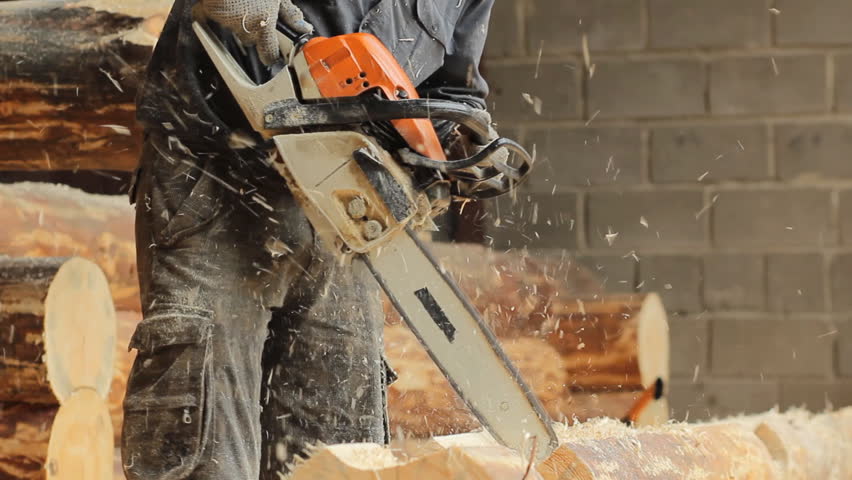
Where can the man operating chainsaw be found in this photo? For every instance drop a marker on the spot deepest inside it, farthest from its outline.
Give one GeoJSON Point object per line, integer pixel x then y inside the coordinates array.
{"type": "Point", "coordinates": [256, 341]}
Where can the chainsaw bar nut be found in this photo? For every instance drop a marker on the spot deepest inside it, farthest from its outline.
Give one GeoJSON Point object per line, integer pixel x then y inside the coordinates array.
{"type": "Point", "coordinates": [357, 208]}
{"type": "Point", "coordinates": [372, 229]}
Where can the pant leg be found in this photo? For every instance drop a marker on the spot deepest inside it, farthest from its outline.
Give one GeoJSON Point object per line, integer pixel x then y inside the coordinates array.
{"type": "Point", "coordinates": [324, 375]}
{"type": "Point", "coordinates": [208, 284]}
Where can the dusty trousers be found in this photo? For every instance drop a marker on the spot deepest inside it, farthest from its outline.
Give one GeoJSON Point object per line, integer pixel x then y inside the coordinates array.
{"type": "Point", "coordinates": [255, 341]}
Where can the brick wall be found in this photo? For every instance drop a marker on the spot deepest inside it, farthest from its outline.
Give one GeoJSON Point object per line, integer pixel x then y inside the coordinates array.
{"type": "Point", "coordinates": [701, 149]}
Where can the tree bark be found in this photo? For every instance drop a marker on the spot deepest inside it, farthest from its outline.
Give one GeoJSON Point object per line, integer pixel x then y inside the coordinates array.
{"type": "Point", "coordinates": [58, 327]}
{"type": "Point", "coordinates": [24, 434]}
{"type": "Point", "coordinates": [67, 93]}
{"type": "Point", "coordinates": [44, 220]}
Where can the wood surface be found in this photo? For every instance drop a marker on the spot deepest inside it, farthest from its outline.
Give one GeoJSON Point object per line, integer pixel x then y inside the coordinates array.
{"type": "Point", "coordinates": [59, 322]}
{"type": "Point", "coordinates": [24, 434]}
{"type": "Point", "coordinates": [45, 220]}
{"type": "Point", "coordinates": [72, 70]}
{"type": "Point", "coordinates": [81, 446]}
{"type": "Point", "coordinates": [820, 446]}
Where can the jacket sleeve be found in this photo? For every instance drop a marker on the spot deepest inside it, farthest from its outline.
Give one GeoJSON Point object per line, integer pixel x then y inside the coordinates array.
{"type": "Point", "coordinates": [459, 79]}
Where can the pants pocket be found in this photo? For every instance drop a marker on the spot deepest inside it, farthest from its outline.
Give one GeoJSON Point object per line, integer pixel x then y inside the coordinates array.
{"type": "Point", "coordinates": [167, 409]}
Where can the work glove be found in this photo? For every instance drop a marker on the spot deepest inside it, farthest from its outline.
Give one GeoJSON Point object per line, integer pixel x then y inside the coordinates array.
{"type": "Point", "coordinates": [253, 22]}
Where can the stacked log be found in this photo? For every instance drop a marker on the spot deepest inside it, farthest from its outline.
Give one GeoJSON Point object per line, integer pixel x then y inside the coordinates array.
{"type": "Point", "coordinates": [584, 358]}
{"type": "Point", "coordinates": [606, 450]}
{"type": "Point", "coordinates": [59, 339]}
{"type": "Point", "coordinates": [67, 96]}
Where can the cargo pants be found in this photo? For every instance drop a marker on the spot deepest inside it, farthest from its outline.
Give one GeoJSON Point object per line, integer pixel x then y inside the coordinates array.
{"type": "Point", "coordinates": [255, 342]}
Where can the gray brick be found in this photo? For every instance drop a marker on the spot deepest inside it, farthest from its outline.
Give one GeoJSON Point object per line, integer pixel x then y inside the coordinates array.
{"type": "Point", "coordinates": [689, 339]}
{"type": "Point", "coordinates": [505, 25]}
{"type": "Point", "coordinates": [750, 85]}
{"type": "Point", "coordinates": [813, 150]}
{"type": "Point", "coordinates": [771, 347]}
{"type": "Point", "coordinates": [796, 283]}
{"type": "Point", "coordinates": [669, 214]}
{"type": "Point", "coordinates": [617, 273]}
{"type": "Point", "coordinates": [676, 278]}
{"type": "Point", "coordinates": [773, 218]}
{"type": "Point", "coordinates": [711, 153]}
{"type": "Point", "coordinates": [813, 22]}
{"type": "Point", "coordinates": [557, 86]}
{"type": "Point", "coordinates": [534, 221]}
{"type": "Point", "coordinates": [841, 283]}
{"type": "Point", "coordinates": [647, 88]}
{"type": "Point", "coordinates": [721, 398]}
{"type": "Point", "coordinates": [816, 395]}
{"type": "Point", "coordinates": [584, 156]}
{"type": "Point", "coordinates": [734, 282]}
{"type": "Point", "coordinates": [699, 23]}
{"type": "Point", "coordinates": [845, 206]}
{"type": "Point", "coordinates": [556, 26]}
{"type": "Point", "coordinates": [843, 82]}
{"type": "Point", "coordinates": [844, 349]}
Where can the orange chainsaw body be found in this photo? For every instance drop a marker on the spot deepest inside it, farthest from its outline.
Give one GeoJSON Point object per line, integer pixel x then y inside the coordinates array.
{"type": "Point", "coordinates": [348, 65]}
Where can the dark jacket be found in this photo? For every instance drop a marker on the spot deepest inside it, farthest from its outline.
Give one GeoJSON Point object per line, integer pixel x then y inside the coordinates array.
{"type": "Point", "coordinates": [438, 42]}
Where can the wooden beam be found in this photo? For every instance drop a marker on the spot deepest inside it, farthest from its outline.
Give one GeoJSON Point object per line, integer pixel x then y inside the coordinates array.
{"type": "Point", "coordinates": [67, 89]}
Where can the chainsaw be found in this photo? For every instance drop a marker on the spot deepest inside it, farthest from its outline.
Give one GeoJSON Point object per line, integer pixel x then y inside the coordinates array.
{"type": "Point", "coordinates": [368, 203]}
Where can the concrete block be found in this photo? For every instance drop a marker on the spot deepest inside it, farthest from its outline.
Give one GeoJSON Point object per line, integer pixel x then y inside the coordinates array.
{"type": "Point", "coordinates": [719, 398]}
{"type": "Point", "coordinates": [678, 280]}
{"type": "Point", "coordinates": [796, 283]}
{"type": "Point", "coordinates": [845, 206]}
{"type": "Point", "coordinates": [646, 219]}
{"type": "Point", "coordinates": [843, 82]}
{"type": "Point", "coordinates": [734, 282]}
{"type": "Point", "coordinates": [699, 23]}
{"type": "Point", "coordinates": [773, 218]}
{"type": "Point", "coordinates": [814, 22]}
{"type": "Point", "coordinates": [556, 85]}
{"type": "Point", "coordinates": [815, 395]}
{"type": "Point", "coordinates": [841, 282]}
{"type": "Point", "coordinates": [579, 156]}
{"type": "Point", "coordinates": [709, 153]}
{"type": "Point", "coordinates": [689, 339]}
{"type": "Point", "coordinates": [813, 150]}
{"type": "Point", "coordinates": [647, 88]}
{"type": "Point", "coordinates": [534, 221]}
{"type": "Point", "coordinates": [768, 84]}
{"type": "Point", "coordinates": [844, 348]}
{"type": "Point", "coordinates": [556, 26]}
{"type": "Point", "coordinates": [617, 273]}
{"type": "Point", "coordinates": [505, 26]}
{"type": "Point", "coordinates": [771, 347]}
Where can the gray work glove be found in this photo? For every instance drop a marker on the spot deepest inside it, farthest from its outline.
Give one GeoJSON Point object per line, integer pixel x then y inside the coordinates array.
{"type": "Point", "coordinates": [253, 22]}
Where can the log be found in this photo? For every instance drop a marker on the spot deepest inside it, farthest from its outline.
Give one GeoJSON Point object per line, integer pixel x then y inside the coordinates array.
{"type": "Point", "coordinates": [24, 435]}
{"type": "Point", "coordinates": [80, 444]}
{"type": "Point", "coordinates": [44, 220]}
{"type": "Point", "coordinates": [607, 450]}
{"type": "Point", "coordinates": [72, 70]}
{"type": "Point", "coordinates": [804, 446]}
{"type": "Point", "coordinates": [59, 332]}
{"type": "Point", "coordinates": [585, 361]}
